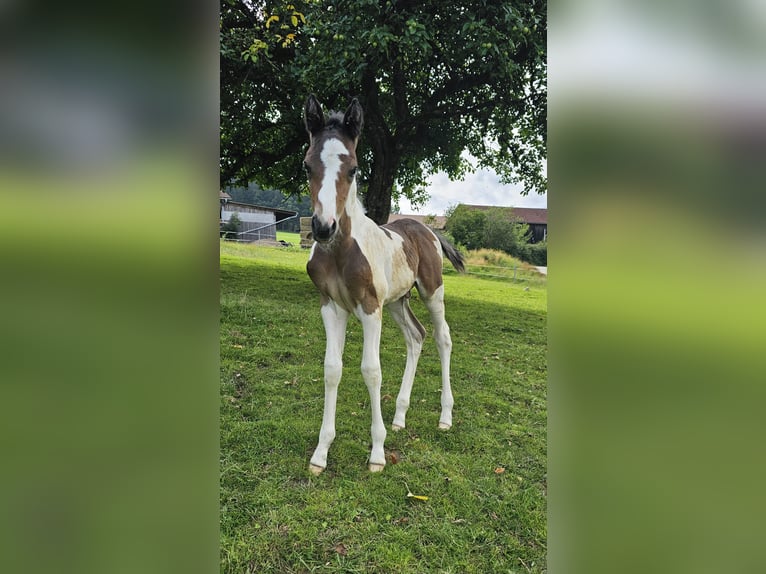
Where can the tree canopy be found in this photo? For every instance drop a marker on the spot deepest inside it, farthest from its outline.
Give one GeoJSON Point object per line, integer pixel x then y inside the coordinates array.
{"type": "Point", "coordinates": [436, 79]}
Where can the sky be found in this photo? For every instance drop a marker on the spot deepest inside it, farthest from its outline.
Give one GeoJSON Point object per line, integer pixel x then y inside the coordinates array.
{"type": "Point", "coordinates": [481, 187]}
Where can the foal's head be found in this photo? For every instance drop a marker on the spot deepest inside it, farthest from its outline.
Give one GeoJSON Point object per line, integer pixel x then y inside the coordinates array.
{"type": "Point", "coordinates": [331, 164]}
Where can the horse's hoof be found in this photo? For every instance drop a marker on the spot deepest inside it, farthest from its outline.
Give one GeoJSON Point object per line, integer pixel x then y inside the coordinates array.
{"type": "Point", "coordinates": [395, 427]}
{"type": "Point", "coordinates": [315, 470]}
{"type": "Point", "coordinates": [444, 426]}
{"type": "Point", "coordinates": [376, 467]}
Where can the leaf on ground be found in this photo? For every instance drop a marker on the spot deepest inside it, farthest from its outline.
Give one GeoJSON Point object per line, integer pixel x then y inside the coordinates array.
{"type": "Point", "coordinates": [402, 520]}
{"type": "Point", "coordinates": [499, 470]}
{"type": "Point", "coordinates": [341, 549]}
{"type": "Point", "coordinates": [415, 496]}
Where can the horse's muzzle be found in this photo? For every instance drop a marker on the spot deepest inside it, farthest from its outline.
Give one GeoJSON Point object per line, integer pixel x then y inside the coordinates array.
{"type": "Point", "coordinates": [322, 233]}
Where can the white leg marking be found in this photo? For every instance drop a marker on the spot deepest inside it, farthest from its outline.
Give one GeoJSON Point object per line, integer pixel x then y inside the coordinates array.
{"type": "Point", "coordinates": [435, 306]}
{"type": "Point", "coordinates": [412, 336]}
{"type": "Point", "coordinates": [335, 319]}
{"type": "Point", "coordinates": [371, 326]}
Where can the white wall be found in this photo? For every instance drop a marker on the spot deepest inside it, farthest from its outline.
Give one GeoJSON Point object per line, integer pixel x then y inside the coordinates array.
{"type": "Point", "coordinates": [263, 218]}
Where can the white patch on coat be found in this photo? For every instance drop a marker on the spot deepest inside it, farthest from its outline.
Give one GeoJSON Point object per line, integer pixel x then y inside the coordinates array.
{"type": "Point", "coordinates": [391, 273]}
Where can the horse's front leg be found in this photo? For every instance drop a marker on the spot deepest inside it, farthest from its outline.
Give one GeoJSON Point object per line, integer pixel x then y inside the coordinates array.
{"type": "Point", "coordinates": [335, 319]}
{"type": "Point", "coordinates": [371, 325]}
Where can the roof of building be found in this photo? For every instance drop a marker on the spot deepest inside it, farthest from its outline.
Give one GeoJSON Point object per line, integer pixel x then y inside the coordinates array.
{"type": "Point", "coordinates": [280, 213]}
{"type": "Point", "coordinates": [529, 215]}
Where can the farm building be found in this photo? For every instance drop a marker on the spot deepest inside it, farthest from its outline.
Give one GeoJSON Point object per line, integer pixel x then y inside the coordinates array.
{"type": "Point", "coordinates": [536, 218]}
{"type": "Point", "coordinates": [257, 222]}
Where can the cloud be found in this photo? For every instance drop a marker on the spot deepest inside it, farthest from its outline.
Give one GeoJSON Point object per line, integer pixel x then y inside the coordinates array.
{"type": "Point", "coordinates": [482, 187]}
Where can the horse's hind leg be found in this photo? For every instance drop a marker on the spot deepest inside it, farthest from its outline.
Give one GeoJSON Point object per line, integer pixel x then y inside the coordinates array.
{"type": "Point", "coordinates": [435, 305]}
{"type": "Point", "coordinates": [413, 333]}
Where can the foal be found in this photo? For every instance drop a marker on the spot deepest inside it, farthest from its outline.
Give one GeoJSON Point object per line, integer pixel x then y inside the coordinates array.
{"type": "Point", "coordinates": [360, 268]}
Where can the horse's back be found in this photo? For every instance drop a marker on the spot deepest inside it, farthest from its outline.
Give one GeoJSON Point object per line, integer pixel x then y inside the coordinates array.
{"type": "Point", "coordinates": [417, 235]}
{"type": "Point", "coordinates": [423, 252]}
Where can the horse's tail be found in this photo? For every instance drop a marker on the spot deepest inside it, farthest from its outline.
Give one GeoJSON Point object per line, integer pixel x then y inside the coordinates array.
{"type": "Point", "coordinates": [452, 254]}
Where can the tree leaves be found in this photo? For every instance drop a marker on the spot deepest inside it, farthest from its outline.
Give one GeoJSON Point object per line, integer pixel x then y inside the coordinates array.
{"type": "Point", "coordinates": [271, 19]}
{"type": "Point", "coordinates": [435, 79]}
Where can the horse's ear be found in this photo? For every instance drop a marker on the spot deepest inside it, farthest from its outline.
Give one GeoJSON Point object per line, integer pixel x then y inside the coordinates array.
{"type": "Point", "coordinates": [352, 119]}
{"type": "Point", "coordinates": [313, 116]}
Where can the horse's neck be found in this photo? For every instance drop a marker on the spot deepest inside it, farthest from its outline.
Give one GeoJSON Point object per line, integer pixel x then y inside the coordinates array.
{"type": "Point", "coordinates": [360, 226]}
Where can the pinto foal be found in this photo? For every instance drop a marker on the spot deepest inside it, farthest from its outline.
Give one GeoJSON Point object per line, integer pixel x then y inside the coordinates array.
{"type": "Point", "coordinates": [359, 268]}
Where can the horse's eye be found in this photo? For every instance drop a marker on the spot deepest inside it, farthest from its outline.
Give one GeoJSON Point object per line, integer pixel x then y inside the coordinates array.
{"type": "Point", "coordinates": [352, 172]}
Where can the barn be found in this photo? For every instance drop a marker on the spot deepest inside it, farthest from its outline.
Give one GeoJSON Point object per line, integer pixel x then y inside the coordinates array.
{"type": "Point", "coordinates": [257, 222]}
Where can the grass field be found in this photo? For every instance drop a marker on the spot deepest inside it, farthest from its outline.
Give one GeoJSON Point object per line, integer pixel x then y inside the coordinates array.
{"type": "Point", "coordinates": [485, 479]}
{"type": "Point", "coordinates": [294, 238]}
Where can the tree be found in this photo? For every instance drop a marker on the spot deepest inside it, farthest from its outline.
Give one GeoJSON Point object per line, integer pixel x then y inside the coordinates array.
{"type": "Point", "coordinates": [495, 228]}
{"type": "Point", "coordinates": [466, 226]}
{"type": "Point", "coordinates": [230, 229]}
{"type": "Point", "coordinates": [505, 233]}
{"type": "Point", "coordinates": [436, 79]}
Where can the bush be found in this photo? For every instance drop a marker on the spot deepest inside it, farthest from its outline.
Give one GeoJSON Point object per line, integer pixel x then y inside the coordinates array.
{"type": "Point", "coordinates": [230, 228]}
{"type": "Point", "coordinates": [493, 229]}
{"type": "Point", "coordinates": [504, 234]}
{"type": "Point", "coordinates": [466, 226]}
{"type": "Point", "coordinates": [537, 253]}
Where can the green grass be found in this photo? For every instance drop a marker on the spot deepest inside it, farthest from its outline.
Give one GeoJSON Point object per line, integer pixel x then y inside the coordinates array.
{"type": "Point", "coordinates": [294, 238]}
{"type": "Point", "coordinates": [276, 517]}
{"type": "Point", "coordinates": [493, 264]}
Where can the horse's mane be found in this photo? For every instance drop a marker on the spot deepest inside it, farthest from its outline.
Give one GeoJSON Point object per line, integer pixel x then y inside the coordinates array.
{"type": "Point", "coordinates": [334, 121]}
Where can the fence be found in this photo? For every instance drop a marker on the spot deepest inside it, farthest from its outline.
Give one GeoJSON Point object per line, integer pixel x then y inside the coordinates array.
{"type": "Point", "coordinates": [517, 273]}
{"type": "Point", "coordinates": [254, 232]}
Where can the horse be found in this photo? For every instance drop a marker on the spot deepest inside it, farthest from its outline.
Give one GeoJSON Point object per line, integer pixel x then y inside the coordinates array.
{"type": "Point", "coordinates": [359, 268]}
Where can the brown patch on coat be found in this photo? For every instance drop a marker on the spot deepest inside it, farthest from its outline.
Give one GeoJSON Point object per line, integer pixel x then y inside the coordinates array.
{"type": "Point", "coordinates": [342, 273]}
{"type": "Point", "coordinates": [421, 253]}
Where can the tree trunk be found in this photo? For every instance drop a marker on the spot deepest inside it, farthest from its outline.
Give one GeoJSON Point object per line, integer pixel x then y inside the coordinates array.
{"type": "Point", "coordinates": [385, 163]}
{"type": "Point", "coordinates": [385, 155]}
{"type": "Point", "coordinates": [377, 202]}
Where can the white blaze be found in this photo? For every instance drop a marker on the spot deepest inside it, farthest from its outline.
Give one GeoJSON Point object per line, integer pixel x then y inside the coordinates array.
{"type": "Point", "coordinates": [331, 151]}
